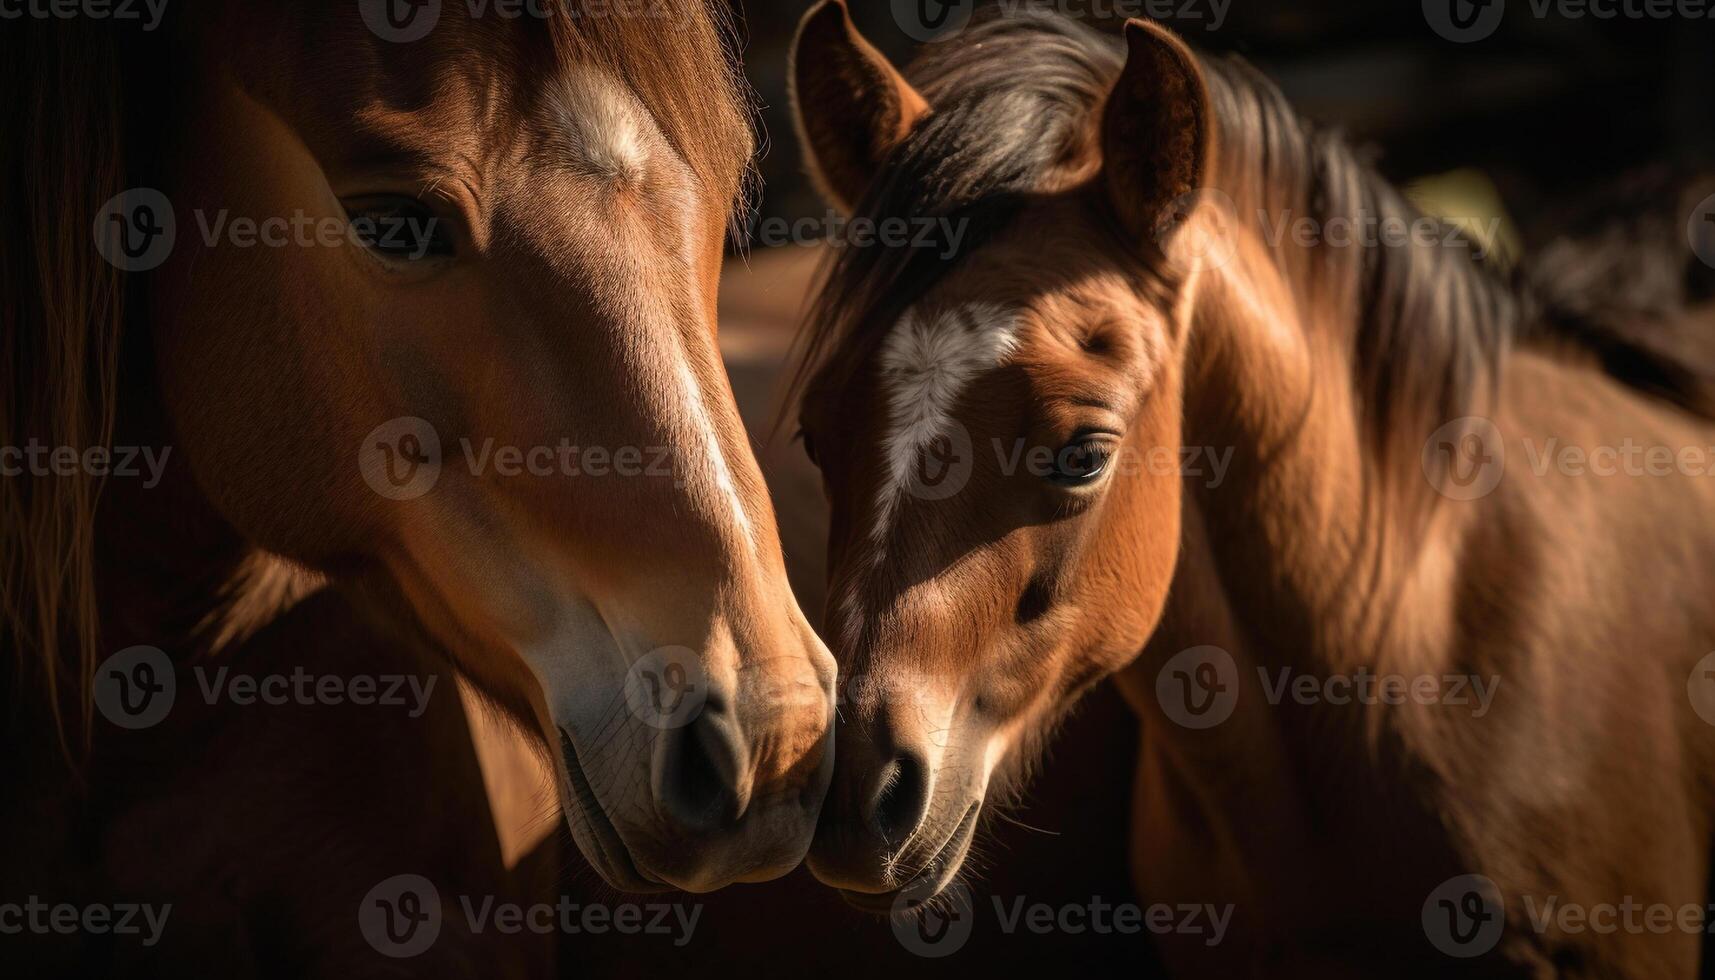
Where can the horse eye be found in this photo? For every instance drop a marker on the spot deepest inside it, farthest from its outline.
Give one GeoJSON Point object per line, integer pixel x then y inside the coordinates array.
{"type": "Point", "coordinates": [1081, 461]}
{"type": "Point", "coordinates": [403, 229]}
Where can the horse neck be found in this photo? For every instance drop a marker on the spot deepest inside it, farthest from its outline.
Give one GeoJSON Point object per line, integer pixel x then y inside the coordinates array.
{"type": "Point", "coordinates": [1319, 526]}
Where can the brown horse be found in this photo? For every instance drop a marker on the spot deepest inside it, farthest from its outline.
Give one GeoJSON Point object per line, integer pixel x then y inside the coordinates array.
{"type": "Point", "coordinates": [417, 301]}
{"type": "Point", "coordinates": [1391, 493]}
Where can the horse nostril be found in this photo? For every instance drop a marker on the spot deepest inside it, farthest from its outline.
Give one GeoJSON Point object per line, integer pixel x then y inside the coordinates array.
{"type": "Point", "coordinates": [702, 773]}
{"type": "Point", "coordinates": [902, 799]}
{"type": "Point", "coordinates": [1034, 602]}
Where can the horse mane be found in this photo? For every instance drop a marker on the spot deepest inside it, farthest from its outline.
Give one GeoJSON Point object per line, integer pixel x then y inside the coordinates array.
{"type": "Point", "coordinates": [61, 307]}
{"type": "Point", "coordinates": [73, 128]}
{"type": "Point", "coordinates": [1430, 326]}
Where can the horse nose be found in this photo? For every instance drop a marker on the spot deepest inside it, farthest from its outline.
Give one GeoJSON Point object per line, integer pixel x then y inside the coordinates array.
{"type": "Point", "coordinates": [702, 779]}
{"type": "Point", "coordinates": [899, 795]}
{"type": "Point", "coordinates": [882, 785]}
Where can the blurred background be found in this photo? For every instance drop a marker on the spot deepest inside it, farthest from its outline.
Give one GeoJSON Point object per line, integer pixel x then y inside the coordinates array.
{"type": "Point", "coordinates": [1548, 109]}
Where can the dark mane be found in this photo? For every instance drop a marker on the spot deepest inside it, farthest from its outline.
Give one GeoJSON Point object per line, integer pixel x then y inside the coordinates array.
{"type": "Point", "coordinates": [1428, 324]}
{"type": "Point", "coordinates": [61, 307]}
{"type": "Point", "coordinates": [1019, 92]}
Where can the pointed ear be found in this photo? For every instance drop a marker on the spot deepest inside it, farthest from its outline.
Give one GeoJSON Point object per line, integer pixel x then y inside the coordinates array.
{"type": "Point", "coordinates": [851, 105]}
{"type": "Point", "coordinates": [1156, 131]}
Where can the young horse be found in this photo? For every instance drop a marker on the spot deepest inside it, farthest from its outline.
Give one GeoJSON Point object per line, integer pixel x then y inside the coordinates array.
{"type": "Point", "coordinates": [1000, 438]}
{"type": "Point", "coordinates": [433, 317]}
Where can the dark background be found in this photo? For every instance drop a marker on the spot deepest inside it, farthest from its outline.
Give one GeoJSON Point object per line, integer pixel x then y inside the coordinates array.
{"type": "Point", "coordinates": [1550, 109]}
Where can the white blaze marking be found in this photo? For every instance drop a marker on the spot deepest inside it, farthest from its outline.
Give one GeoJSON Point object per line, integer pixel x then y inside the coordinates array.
{"type": "Point", "coordinates": [606, 129]}
{"type": "Point", "coordinates": [925, 367]}
{"type": "Point", "coordinates": [691, 395]}
{"type": "Point", "coordinates": [609, 132]}
{"type": "Point", "coordinates": [691, 391]}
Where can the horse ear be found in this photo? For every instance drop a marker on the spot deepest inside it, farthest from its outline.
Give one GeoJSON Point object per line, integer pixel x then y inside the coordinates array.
{"type": "Point", "coordinates": [1155, 131]}
{"type": "Point", "coordinates": [851, 105]}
